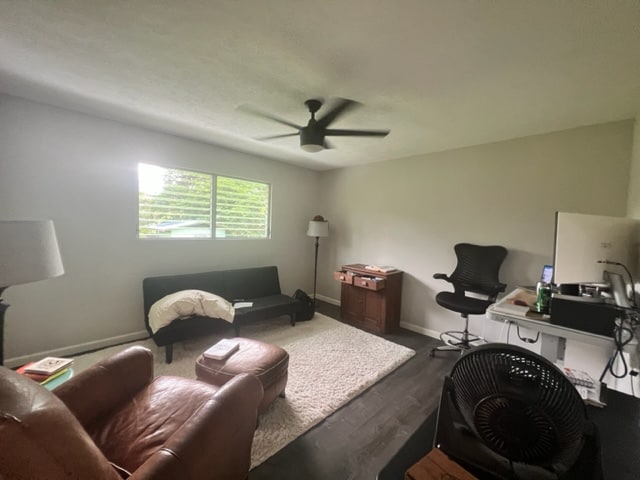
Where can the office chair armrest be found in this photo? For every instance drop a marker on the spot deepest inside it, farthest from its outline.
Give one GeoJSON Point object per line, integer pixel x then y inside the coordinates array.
{"type": "Point", "coordinates": [497, 288]}
{"type": "Point", "coordinates": [490, 291]}
{"type": "Point", "coordinates": [442, 276]}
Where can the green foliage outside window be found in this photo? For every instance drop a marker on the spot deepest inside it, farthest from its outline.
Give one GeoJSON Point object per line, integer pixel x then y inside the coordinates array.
{"type": "Point", "coordinates": [242, 208]}
{"type": "Point", "coordinates": [176, 203]}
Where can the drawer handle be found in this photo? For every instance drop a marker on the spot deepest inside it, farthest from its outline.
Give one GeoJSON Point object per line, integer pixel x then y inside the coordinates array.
{"type": "Point", "coordinates": [365, 284]}
{"type": "Point", "coordinates": [342, 277]}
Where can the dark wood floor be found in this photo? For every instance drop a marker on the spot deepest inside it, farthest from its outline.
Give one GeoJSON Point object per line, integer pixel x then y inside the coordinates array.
{"type": "Point", "coordinates": [360, 438]}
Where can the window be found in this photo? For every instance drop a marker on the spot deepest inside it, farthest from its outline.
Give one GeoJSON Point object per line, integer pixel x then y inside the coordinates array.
{"type": "Point", "coordinates": [176, 203]}
{"type": "Point", "coordinates": [173, 203]}
{"type": "Point", "coordinates": [242, 208]}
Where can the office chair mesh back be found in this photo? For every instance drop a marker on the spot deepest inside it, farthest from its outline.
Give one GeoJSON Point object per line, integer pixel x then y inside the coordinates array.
{"type": "Point", "coordinates": [478, 267]}
{"type": "Point", "coordinates": [520, 405]}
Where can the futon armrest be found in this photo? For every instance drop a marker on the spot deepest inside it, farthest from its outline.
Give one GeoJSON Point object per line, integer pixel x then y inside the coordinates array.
{"type": "Point", "coordinates": [215, 442]}
{"type": "Point", "coordinates": [108, 384]}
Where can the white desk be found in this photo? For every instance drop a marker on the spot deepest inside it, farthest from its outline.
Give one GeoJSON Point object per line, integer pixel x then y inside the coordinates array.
{"type": "Point", "coordinates": [553, 337]}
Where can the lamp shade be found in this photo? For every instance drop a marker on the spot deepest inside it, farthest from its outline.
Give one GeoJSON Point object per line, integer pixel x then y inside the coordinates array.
{"type": "Point", "coordinates": [28, 252]}
{"type": "Point", "coordinates": [318, 228]}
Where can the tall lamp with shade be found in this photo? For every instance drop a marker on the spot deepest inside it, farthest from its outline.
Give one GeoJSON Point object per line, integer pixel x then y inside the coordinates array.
{"type": "Point", "coordinates": [28, 253]}
{"type": "Point", "coordinates": [318, 227]}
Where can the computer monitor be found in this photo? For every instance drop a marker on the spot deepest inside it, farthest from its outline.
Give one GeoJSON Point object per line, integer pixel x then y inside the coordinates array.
{"type": "Point", "coordinates": [547, 274]}
{"type": "Point", "coordinates": [581, 241]}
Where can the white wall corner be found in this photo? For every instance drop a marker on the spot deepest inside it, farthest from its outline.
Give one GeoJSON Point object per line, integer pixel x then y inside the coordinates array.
{"type": "Point", "coordinates": [633, 197]}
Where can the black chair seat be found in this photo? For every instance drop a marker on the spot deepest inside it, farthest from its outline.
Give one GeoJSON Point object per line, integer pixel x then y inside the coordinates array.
{"type": "Point", "coordinates": [462, 304]}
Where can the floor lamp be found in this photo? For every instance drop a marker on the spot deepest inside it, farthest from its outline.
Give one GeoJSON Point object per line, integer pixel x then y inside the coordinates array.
{"type": "Point", "coordinates": [28, 253]}
{"type": "Point", "coordinates": [318, 227]}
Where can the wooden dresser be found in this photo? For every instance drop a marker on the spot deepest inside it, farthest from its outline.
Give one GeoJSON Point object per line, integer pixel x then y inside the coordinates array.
{"type": "Point", "coordinates": [369, 299]}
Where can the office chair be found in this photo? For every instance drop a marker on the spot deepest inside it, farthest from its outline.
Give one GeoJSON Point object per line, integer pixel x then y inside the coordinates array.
{"type": "Point", "coordinates": [476, 272]}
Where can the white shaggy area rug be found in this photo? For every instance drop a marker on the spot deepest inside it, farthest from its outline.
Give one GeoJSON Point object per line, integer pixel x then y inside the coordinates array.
{"type": "Point", "coordinates": [330, 364]}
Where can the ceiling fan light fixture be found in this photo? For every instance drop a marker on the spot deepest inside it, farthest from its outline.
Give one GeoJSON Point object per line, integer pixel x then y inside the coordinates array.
{"type": "Point", "coordinates": [311, 147]}
{"type": "Point", "coordinates": [311, 140]}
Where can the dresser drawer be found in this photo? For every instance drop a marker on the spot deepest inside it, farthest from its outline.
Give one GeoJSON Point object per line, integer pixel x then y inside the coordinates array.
{"type": "Point", "coordinates": [370, 283]}
{"type": "Point", "coordinates": [344, 277]}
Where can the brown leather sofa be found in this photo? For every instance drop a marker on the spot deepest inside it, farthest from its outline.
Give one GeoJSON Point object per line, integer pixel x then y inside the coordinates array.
{"type": "Point", "coordinates": [114, 420]}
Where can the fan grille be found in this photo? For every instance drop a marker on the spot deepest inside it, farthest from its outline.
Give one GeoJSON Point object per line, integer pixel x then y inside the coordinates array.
{"type": "Point", "coordinates": [513, 429]}
{"type": "Point", "coordinates": [520, 405]}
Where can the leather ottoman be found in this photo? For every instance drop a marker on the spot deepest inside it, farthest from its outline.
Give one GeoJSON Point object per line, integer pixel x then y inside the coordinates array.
{"type": "Point", "coordinates": [267, 362]}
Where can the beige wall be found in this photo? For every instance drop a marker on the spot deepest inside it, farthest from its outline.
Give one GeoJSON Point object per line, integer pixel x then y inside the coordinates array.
{"type": "Point", "coordinates": [633, 202]}
{"type": "Point", "coordinates": [81, 171]}
{"type": "Point", "coordinates": [410, 212]}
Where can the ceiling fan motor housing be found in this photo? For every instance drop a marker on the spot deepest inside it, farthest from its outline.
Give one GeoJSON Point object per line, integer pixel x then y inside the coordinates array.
{"type": "Point", "coordinates": [311, 139]}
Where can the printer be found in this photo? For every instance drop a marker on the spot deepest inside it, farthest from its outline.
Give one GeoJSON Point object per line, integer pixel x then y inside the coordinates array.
{"type": "Point", "coordinates": [588, 307]}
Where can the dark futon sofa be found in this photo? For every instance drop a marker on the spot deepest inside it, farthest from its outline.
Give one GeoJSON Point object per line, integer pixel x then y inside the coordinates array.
{"type": "Point", "coordinates": [259, 285]}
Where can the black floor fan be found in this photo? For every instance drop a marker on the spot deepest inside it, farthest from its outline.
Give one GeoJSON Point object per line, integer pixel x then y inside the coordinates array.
{"type": "Point", "coordinates": [507, 413]}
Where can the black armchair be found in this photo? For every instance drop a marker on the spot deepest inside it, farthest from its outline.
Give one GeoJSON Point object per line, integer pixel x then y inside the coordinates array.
{"type": "Point", "coordinates": [477, 272]}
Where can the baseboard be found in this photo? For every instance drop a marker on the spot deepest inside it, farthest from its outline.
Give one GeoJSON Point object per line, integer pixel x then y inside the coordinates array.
{"type": "Point", "coordinates": [424, 331]}
{"type": "Point", "coordinates": [409, 326]}
{"type": "Point", "coordinates": [332, 301]}
{"type": "Point", "coordinates": [71, 350]}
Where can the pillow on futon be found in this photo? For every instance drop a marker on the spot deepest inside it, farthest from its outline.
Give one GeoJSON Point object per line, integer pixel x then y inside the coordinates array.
{"type": "Point", "coordinates": [186, 303]}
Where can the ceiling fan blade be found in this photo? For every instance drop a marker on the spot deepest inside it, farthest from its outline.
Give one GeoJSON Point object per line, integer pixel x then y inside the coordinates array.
{"type": "Point", "coordinates": [342, 106]}
{"type": "Point", "coordinates": [272, 137]}
{"type": "Point", "coordinates": [258, 113]}
{"type": "Point", "coordinates": [357, 133]}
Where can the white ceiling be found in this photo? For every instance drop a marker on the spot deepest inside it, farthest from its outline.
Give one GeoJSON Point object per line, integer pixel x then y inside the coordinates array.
{"type": "Point", "coordinates": [440, 74]}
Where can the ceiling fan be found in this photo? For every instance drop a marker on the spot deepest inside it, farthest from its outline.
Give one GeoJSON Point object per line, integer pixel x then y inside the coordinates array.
{"type": "Point", "coordinates": [312, 136]}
